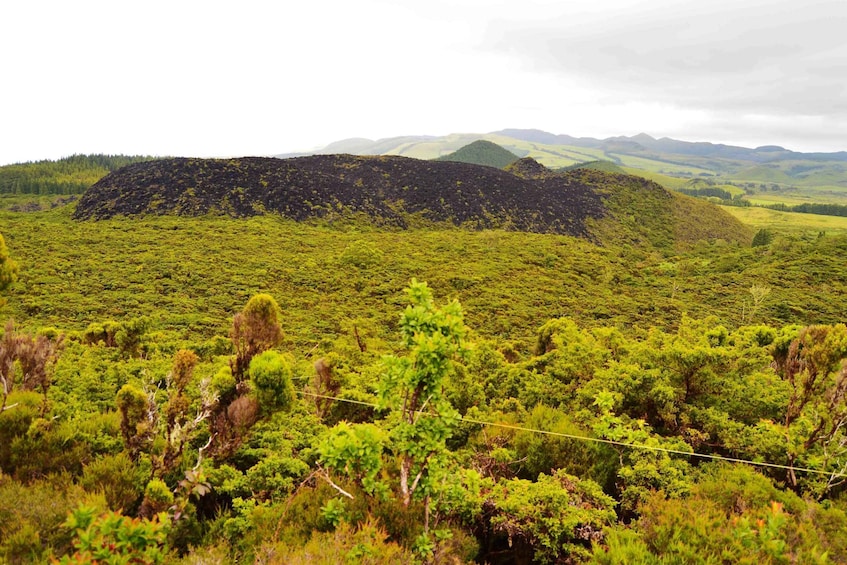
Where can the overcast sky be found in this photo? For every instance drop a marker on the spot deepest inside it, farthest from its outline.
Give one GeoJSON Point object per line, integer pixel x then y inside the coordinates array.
{"type": "Point", "coordinates": [210, 78]}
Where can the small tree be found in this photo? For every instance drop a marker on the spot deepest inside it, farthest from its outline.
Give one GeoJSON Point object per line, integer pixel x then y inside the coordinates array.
{"type": "Point", "coordinates": [180, 425]}
{"type": "Point", "coordinates": [758, 293]}
{"type": "Point", "coordinates": [420, 418]}
{"type": "Point", "coordinates": [254, 330]}
{"type": "Point", "coordinates": [8, 268]}
{"type": "Point", "coordinates": [173, 425]}
{"type": "Point", "coordinates": [413, 386]}
{"type": "Point", "coordinates": [26, 363]}
{"type": "Point", "coordinates": [763, 237]}
{"type": "Point", "coordinates": [138, 419]}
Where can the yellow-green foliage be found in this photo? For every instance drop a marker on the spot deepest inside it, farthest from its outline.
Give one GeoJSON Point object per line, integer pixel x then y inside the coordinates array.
{"type": "Point", "coordinates": [734, 515]}
{"type": "Point", "coordinates": [508, 281]}
{"type": "Point", "coordinates": [270, 374]}
{"type": "Point", "coordinates": [788, 222]}
{"type": "Point", "coordinates": [157, 496]}
{"type": "Point", "coordinates": [31, 517]}
{"type": "Point", "coordinates": [113, 537]}
{"type": "Point", "coordinates": [367, 544]}
{"type": "Point", "coordinates": [608, 342]}
{"type": "Point", "coordinates": [117, 478]}
{"type": "Point", "coordinates": [711, 222]}
{"type": "Point", "coordinates": [555, 518]}
{"type": "Point", "coordinates": [8, 268]}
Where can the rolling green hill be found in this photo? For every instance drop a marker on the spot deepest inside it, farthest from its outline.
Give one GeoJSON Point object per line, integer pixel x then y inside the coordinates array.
{"type": "Point", "coordinates": [768, 168]}
{"type": "Point", "coordinates": [606, 166]}
{"type": "Point", "coordinates": [481, 152]}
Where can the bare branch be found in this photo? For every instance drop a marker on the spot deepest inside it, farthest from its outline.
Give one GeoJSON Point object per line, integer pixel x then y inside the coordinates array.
{"type": "Point", "coordinates": [200, 453]}
{"type": "Point", "coordinates": [325, 476]}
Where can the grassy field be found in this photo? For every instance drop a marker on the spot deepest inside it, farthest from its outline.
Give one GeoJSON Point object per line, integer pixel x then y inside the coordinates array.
{"type": "Point", "coordinates": [669, 182]}
{"type": "Point", "coordinates": [788, 222]}
{"type": "Point", "coordinates": [789, 198]}
{"type": "Point", "coordinates": [655, 166]}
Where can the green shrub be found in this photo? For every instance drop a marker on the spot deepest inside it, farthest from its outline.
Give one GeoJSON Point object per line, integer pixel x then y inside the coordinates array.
{"type": "Point", "coordinates": [130, 337]}
{"type": "Point", "coordinates": [367, 544]}
{"type": "Point", "coordinates": [21, 409]}
{"type": "Point", "coordinates": [117, 477]}
{"type": "Point", "coordinates": [763, 237]}
{"type": "Point", "coordinates": [50, 446]}
{"type": "Point", "coordinates": [223, 383]}
{"type": "Point", "coordinates": [23, 546]}
{"type": "Point", "coordinates": [275, 476]}
{"type": "Point", "coordinates": [361, 254]}
{"type": "Point", "coordinates": [114, 539]}
{"type": "Point", "coordinates": [270, 374]}
{"type": "Point", "coordinates": [41, 506]}
{"type": "Point", "coordinates": [157, 498]}
{"type": "Point", "coordinates": [136, 429]}
{"type": "Point", "coordinates": [556, 518]}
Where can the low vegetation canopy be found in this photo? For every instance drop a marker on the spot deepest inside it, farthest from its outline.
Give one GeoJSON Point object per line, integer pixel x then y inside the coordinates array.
{"type": "Point", "coordinates": [229, 361]}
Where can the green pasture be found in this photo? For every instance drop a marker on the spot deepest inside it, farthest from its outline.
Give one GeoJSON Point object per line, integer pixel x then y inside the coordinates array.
{"type": "Point", "coordinates": [788, 222]}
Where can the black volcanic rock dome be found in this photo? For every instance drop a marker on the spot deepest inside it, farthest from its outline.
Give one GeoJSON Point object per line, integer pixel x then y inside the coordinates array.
{"type": "Point", "coordinates": [385, 188]}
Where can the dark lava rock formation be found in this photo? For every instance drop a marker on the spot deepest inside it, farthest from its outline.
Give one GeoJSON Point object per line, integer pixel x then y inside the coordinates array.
{"type": "Point", "coordinates": [389, 190]}
{"type": "Point", "coordinates": [399, 192]}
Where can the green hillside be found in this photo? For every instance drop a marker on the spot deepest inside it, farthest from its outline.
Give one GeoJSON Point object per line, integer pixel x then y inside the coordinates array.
{"type": "Point", "coordinates": [71, 175]}
{"type": "Point", "coordinates": [669, 182]}
{"type": "Point", "coordinates": [606, 166]}
{"type": "Point", "coordinates": [756, 171]}
{"type": "Point", "coordinates": [482, 152]}
{"type": "Point", "coordinates": [281, 351]}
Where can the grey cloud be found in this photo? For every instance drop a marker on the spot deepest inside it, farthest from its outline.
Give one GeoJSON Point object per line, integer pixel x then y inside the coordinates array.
{"type": "Point", "coordinates": [771, 58]}
{"type": "Point", "coordinates": [797, 133]}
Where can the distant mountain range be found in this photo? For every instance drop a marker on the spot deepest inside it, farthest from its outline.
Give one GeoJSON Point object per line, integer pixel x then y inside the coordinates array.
{"type": "Point", "coordinates": [767, 164]}
{"type": "Point", "coordinates": [643, 142]}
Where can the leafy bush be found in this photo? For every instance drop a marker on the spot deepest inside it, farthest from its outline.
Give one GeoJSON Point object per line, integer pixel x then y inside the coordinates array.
{"type": "Point", "coordinates": [254, 330]}
{"type": "Point", "coordinates": [111, 538]}
{"type": "Point", "coordinates": [361, 254]}
{"type": "Point", "coordinates": [22, 409]}
{"type": "Point", "coordinates": [31, 516]}
{"type": "Point", "coordinates": [557, 517]}
{"type": "Point", "coordinates": [118, 478]}
{"type": "Point", "coordinates": [270, 374]}
{"type": "Point", "coordinates": [367, 544]}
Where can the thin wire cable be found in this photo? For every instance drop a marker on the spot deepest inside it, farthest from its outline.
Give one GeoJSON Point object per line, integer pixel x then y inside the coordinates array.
{"type": "Point", "coordinates": [608, 441]}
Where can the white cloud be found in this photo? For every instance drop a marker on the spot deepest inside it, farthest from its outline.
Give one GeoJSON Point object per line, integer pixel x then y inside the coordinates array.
{"type": "Point", "coordinates": [217, 78]}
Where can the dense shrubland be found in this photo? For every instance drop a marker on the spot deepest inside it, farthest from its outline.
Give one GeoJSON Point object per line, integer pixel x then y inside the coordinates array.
{"type": "Point", "coordinates": [214, 390]}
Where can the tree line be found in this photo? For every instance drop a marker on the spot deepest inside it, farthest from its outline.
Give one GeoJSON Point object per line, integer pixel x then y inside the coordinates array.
{"type": "Point", "coordinates": [70, 175]}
